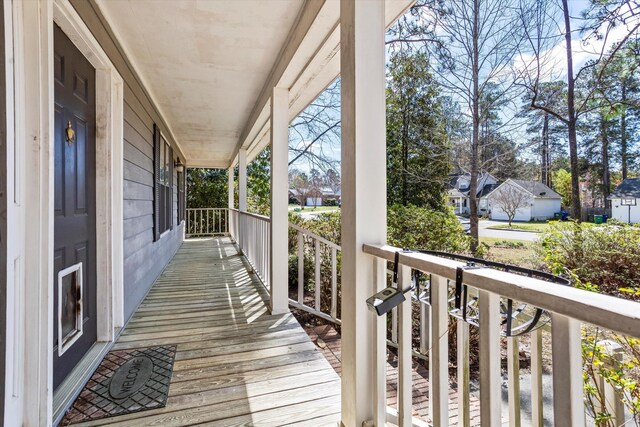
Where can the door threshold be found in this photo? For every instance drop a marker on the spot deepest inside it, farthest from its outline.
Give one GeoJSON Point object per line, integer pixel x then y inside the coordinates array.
{"type": "Point", "coordinates": [70, 388]}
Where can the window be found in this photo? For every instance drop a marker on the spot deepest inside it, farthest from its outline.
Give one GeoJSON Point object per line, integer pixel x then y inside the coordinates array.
{"type": "Point", "coordinates": [163, 184]}
{"type": "Point", "coordinates": [181, 198]}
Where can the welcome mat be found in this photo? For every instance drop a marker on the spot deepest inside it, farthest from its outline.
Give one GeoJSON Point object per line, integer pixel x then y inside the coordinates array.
{"type": "Point", "coordinates": [126, 381]}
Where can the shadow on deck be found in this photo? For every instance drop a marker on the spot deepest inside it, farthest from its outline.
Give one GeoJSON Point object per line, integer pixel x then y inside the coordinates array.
{"type": "Point", "coordinates": [235, 363]}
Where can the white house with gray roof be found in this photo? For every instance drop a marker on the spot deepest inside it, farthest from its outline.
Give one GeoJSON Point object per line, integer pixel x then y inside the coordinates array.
{"type": "Point", "coordinates": [624, 201]}
{"type": "Point", "coordinates": [540, 203]}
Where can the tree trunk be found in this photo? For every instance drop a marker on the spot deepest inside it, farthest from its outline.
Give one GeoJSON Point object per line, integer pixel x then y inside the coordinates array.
{"type": "Point", "coordinates": [572, 119]}
{"type": "Point", "coordinates": [623, 133]}
{"type": "Point", "coordinates": [606, 176]}
{"type": "Point", "coordinates": [473, 185]}
{"type": "Point", "coordinates": [544, 173]}
{"type": "Point", "coordinates": [405, 161]}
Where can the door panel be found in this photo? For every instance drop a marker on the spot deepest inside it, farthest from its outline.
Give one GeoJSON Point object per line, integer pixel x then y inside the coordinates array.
{"type": "Point", "coordinates": [74, 206]}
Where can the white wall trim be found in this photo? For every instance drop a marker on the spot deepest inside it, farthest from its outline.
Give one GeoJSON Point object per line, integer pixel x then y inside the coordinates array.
{"type": "Point", "coordinates": [33, 108]}
{"type": "Point", "coordinates": [29, 394]}
{"type": "Point", "coordinates": [14, 362]}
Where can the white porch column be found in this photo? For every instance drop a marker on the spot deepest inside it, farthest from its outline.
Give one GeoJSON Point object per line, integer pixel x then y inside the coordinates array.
{"type": "Point", "coordinates": [230, 187]}
{"type": "Point", "coordinates": [279, 200]}
{"type": "Point", "coordinates": [364, 204]}
{"type": "Point", "coordinates": [29, 360]}
{"type": "Point", "coordinates": [242, 196]}
{"type": "Point", "coordinates": [242, 180]}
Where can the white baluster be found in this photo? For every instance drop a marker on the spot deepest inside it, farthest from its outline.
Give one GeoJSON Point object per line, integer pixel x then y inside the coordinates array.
{"type": "Point", "coordinates": [439, 355]}
{"type": "Point", "coordinates": [464, 389]}
{"type": "Point", "coordinates": [300, 267]}
{"type": "Point", "coordinates": [334, 284]}
{"type": "Point", "coordinates": [536, 378]}
{"type": "Point", "coordinates": [380, 380]}
{"type": "Point", "coordinates": [404, 353]}
{"type": "Point", "coordinates": [490, 392]}
{"type": "Point", "coordinates": [568, 406]}
{"type": "Point", "coordinates": [513, 379]}
{"type": "Point", "coordinates": [317, 278]}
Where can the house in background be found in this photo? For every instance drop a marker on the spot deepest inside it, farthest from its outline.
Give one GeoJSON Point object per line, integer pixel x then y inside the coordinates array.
{"type": "Point", "coordinates": [324, 196]}
{"type": "Point", "coordinates": [538, 202]}
{"type": "Point", "coordinates": [458, 195]}
{"type": "Point", "coordinates": [624, 201]}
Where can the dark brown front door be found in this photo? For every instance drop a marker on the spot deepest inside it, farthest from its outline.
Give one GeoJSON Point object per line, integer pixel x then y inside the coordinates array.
{"type": "Point", "coordinates": [74, 324]}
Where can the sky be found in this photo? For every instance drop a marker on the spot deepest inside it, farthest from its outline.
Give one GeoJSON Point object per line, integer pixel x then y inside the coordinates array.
{"type": "Point", "coordinates": [583, 51]}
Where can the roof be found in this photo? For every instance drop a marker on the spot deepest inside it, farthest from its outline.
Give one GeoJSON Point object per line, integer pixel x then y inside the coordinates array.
{"type": "Point", "coordinates": [537, 189]}
{"type": "Point", "coordinates": [488, 189]}
{"type": "Point", "coordinates": [455, 193]}
{"type": "Point", "coordinates": [483, 187]}
{"type": "Point", "coordinates": [630, 188]}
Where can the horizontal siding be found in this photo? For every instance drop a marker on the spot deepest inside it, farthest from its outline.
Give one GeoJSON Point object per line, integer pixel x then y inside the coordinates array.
{"type": "Point", "coordinates": [135, 155]}
{"type": "Point", "coordinates": [133, 226]}
{"type": "Point", "coordinates": [136, 191]}
{"type": "Point", "coordinates": [147, 264]}
{"type": "Point", "coordinates": [136, 173]}
{"type": "Point", "coordinates": [144, 259]}
{"type": "Point", "coordinates": [136, 208]}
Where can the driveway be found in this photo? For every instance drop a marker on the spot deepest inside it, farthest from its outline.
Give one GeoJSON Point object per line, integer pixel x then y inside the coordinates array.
{"type": "Point", "coordinates": [484, 231]}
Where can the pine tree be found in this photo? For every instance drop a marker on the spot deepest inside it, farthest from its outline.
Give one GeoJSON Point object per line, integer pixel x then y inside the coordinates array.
{"type": "Point", "coordinates": [418, 149]}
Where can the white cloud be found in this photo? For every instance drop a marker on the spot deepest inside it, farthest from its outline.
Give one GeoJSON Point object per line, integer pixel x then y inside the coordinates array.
{"type": "Point", "coordinates": [554, 59]}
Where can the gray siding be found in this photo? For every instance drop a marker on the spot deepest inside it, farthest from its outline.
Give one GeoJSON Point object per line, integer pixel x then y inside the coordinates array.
{"type": "Point", "coordinates": [144, 259]}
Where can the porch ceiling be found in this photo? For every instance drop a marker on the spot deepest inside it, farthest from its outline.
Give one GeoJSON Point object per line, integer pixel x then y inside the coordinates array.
{"type": "Point", "coordinates": [210, 64]}
{"type": "Point", "coordinates": [204, 62]}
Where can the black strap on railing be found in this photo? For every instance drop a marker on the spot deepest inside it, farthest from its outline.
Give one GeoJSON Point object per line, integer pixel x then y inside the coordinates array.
{"type": "Point", "coordinates": [461, 300]}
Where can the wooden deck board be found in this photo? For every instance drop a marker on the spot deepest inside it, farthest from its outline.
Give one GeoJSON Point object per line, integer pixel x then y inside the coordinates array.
{"type": "Point", "coordinates": [235, 363]}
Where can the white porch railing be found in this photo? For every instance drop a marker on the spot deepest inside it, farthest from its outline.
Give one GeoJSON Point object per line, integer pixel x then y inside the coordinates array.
{"type": "Point", "coordinates": [568, 308]}
{"type": "Point", "coordinates": [253, 235]}
{"type": "Point", "coordinates": [201, 222]}
{"type": "Point", "coordinates": [320, 246]}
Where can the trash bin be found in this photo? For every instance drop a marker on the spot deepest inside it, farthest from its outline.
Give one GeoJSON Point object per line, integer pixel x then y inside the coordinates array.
{"type": "Point", "coordinates": [597, 219]}
{"type": "Point", "coordinates": [557, 215]}
{"type": "Point", "coordinates": [564, 215]}
{"type": "Point", "coordinates": [605, 218]}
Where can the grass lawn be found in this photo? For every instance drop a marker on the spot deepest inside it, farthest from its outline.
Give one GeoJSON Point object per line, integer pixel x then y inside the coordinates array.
{"type": "Point", "coordinates": [535, 227]}
{"type": "Point", "coordinates": [510, 251]}
{"type": "Point", "coordinates": [315, 209]}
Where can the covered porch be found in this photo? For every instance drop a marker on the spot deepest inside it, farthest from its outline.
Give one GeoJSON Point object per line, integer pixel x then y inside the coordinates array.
{"type": "Point", "coordinates": [210, 84]}
{"type": "Point", "coordinates": [235, 363]}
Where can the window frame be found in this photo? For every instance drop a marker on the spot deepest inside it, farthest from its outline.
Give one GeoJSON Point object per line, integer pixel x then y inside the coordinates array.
{"type": "Point", "coordinates": [162, 183]}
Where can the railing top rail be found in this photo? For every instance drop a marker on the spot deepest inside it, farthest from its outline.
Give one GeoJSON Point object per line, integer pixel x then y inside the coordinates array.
{"type": "Point", "coordinates": [260, 217]}
{"type": "Point", "coordinates": [206, 209]}
{"type": "Point", "coordinates": [609, 312]}
{"type": "Point", "coordinates": [315, 236]}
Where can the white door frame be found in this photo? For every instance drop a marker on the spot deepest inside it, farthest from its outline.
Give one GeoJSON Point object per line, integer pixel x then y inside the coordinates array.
{"type": "Point", "coordinates": [28, 388]}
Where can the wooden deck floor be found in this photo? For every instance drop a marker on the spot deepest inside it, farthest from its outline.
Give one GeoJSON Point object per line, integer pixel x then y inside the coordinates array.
{"type": "Point", "coordinates": [235, 364]}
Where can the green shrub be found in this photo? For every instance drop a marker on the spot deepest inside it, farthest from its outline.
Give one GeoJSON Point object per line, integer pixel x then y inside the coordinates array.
{"type": "Point", "coordinates": [420, 228]}
{"type": "Point", "coordinates": [604, 258]}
